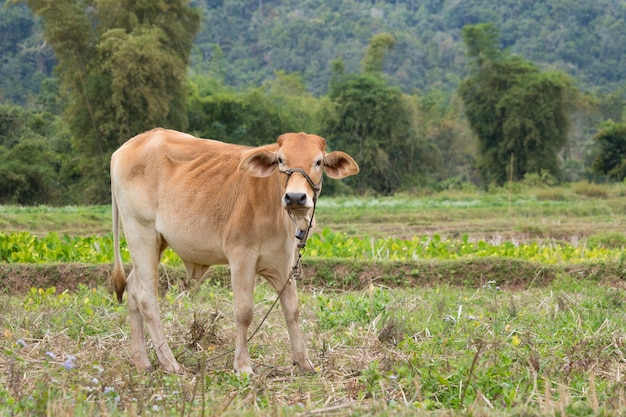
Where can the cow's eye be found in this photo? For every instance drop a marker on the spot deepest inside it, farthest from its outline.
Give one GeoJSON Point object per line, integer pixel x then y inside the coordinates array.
{"type": "Point", "coordinates": [280, 161]}
{"type": "Point", "coordinates": [318, 162]}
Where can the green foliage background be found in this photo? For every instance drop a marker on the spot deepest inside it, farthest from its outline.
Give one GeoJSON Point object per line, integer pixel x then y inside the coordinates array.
{"type": "Point", "coordinates": [583, 38]}
{"type": "Point", "coordinates": [380, 80]}
{"type": "Point", "coordinates": [257, 38]}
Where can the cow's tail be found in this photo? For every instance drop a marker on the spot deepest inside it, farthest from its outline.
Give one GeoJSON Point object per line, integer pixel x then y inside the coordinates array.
{"type": "Point", "coordinates": [119, 277]}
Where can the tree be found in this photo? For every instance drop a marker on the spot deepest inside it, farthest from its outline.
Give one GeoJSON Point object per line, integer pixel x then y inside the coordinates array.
{"type": "Point", "coordinates": [611, 160]}
{"type": "Point", "coordinates": [613, 105]}
{"type": "Point", "coordinates": [27, 173]}
{"type": "Point", "coordinates": [255, 116]}
{"type": "Point", "coordinates": [28, 163]}
{"type": "Point", "coordinates": [26, 59]}
{"type": "Point", "coordinates": [122, 65]}
{"type": "Point", "coordinates": [374, 123]}
{"type": "Point", "coordinates": [378, 48]}
{"type": "Point", "coordinates": [452, 150]}
{"type": "Point", "coordinates": [518, 113]}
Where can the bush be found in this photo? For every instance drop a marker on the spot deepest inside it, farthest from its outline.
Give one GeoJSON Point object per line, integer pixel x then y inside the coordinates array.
{"type": "Point", "coordinates": [587, 189]}
{"type": "Point", "coordinates": [541, 179]}
{"type": "Point", "coordinates": [551, 194]}
{"type": "Point", "coordinates": [613, 240]}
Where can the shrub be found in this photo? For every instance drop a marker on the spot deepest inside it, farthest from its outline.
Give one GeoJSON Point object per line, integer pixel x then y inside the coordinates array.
{"type": "Point", "coordinates": [587, 189]}
{"type": "Point", "coordinates": [608, 240]}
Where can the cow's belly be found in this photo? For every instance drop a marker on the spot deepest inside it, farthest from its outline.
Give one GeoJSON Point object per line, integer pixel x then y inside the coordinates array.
{"type": "Point", "coordinates": [198, 254]}
{"type": "Point", "coordinates": [194, 245]}
{"type": "Point", "coordinates": [202, 242]}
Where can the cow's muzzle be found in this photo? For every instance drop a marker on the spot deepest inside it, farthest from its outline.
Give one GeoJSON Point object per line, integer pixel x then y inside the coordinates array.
{"type": "Point", "coordinates": [298, 200]}
{"type": "Point", "coordinates": [296, 203]}
{"type": "Point", "coordinates": [295, 200]}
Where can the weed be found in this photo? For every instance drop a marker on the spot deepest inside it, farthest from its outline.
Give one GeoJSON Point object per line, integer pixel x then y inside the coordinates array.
{"type": "Point", "coordinates": [591, 190]}
{"type": "Point", "coordinates": [615, 240]}
{"type": "Point", "coordinates": [355, 309]}
{"type": "Point", "coordinates": [443, 348]}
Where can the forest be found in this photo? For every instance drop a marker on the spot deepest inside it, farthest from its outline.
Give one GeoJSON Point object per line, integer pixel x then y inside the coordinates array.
{"type": "Point", "coordinates": [425, 95]}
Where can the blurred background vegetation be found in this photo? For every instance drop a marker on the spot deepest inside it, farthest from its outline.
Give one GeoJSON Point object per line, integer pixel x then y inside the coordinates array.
{"type": "Point", "coordinates": [426, 95]}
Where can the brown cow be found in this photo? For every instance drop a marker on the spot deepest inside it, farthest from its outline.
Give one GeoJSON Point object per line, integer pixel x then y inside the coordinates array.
{"type": "Point", "coordinates": [215, 203]}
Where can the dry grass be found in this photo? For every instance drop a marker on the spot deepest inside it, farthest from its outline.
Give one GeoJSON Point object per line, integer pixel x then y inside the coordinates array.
{"type": "Point", "coordinates": [421, 355]}
{"type": "Point", "coordinates": [432, 339]}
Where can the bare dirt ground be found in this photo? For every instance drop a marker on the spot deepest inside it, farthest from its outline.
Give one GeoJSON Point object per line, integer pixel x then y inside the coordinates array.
{"type": "Point", "coordinates": [332, 274]}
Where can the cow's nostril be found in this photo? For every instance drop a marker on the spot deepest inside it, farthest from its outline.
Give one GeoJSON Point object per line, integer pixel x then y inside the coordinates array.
{"type": "Point", "coordinates": [295, 199]}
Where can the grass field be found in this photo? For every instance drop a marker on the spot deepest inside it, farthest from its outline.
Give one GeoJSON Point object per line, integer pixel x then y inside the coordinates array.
{"type": "Point", "coordinates": [578, 210]}
{"type": "Point", "coordinates": [471, 336]}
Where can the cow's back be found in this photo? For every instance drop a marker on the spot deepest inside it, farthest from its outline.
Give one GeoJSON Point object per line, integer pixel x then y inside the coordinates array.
{"type": "Point", "coordinates": [192, 194]}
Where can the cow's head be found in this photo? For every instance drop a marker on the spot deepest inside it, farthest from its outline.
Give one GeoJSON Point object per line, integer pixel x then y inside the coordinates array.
{"type": "Point", "coordinates": [301, 159]}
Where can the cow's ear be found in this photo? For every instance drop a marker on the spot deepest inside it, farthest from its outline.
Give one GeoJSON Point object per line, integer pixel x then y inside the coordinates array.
{"type": "Point", "coordinates": [340, 165]}
{"type": "Point", "coordinates": [259, 163]}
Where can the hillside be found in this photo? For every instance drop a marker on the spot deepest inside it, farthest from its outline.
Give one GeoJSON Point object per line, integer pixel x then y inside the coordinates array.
{"type": "Point", "coordinates": [258, 37]}
{"type": "Point", "coordinates": [586, 39]}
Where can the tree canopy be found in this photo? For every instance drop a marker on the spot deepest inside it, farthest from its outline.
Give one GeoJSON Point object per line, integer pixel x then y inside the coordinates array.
{"type": "Point", "coordinates": [377, 80]}
{"type": "Point", "coordinates": [256, 116]}
{"type": "Point", "coordinates": [374, 122]}
{"type": "Point", "coordinates": [258, 38]}
{"type": "Point", "coordinates": [611, 160]}
{"type": "Point", "coordinates": [518, 113]}
{"type": "Point", "coordinates": [122, 65]}
{"type": "Point", "coordinates": [28, 162]}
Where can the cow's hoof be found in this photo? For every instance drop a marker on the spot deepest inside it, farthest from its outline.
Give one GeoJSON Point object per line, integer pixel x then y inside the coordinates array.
{"type": "Point", "coordinates": [306, 367]}
{"type": "Point", "coordinates": [244, 370]}
{"type": "Point", "coordinates": [178, 370]}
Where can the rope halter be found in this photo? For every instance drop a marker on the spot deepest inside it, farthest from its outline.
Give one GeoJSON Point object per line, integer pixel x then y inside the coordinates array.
{"type": "Point", "coordinates": [302, 235]}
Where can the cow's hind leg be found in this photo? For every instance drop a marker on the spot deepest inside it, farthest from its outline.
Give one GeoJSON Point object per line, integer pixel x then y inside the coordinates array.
{"type": "Point", "coordinates": [139, 354]}
{"type": "Point", "coordinates": [142, 295]}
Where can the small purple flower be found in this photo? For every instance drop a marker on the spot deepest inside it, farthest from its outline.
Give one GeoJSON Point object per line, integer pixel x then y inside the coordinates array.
{"type": "Point", "coordinates": [69, 362]}
{"type": "Point", "coordinates": [110, 392]}
{"type": "Point", "coordinates": [51, 355]}
{"type": "Point", "coordinates": [21, 342]}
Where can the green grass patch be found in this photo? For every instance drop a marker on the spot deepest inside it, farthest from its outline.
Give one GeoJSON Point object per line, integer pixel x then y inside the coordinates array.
{"type": "Point", "coordinates": [456, 303]}
{"type": "Point", "coordinates": [545, 212]}
{"type": "Point", "coordinates": [72, 220]}
{"type": "Point", "coordinates": [482, 349]}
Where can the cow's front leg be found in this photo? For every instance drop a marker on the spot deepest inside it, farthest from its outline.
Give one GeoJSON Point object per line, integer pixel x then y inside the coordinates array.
{"type": "Point", "coordinates": [289, 303]}
{"type": "Point", "coordinates": [242, 281]}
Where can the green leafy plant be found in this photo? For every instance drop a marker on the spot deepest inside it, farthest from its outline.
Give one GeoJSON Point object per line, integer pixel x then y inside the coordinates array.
{"type": "Point", "coordinates": [23, 247]}
{"type": "Point", "coordinates": [328, 244]}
